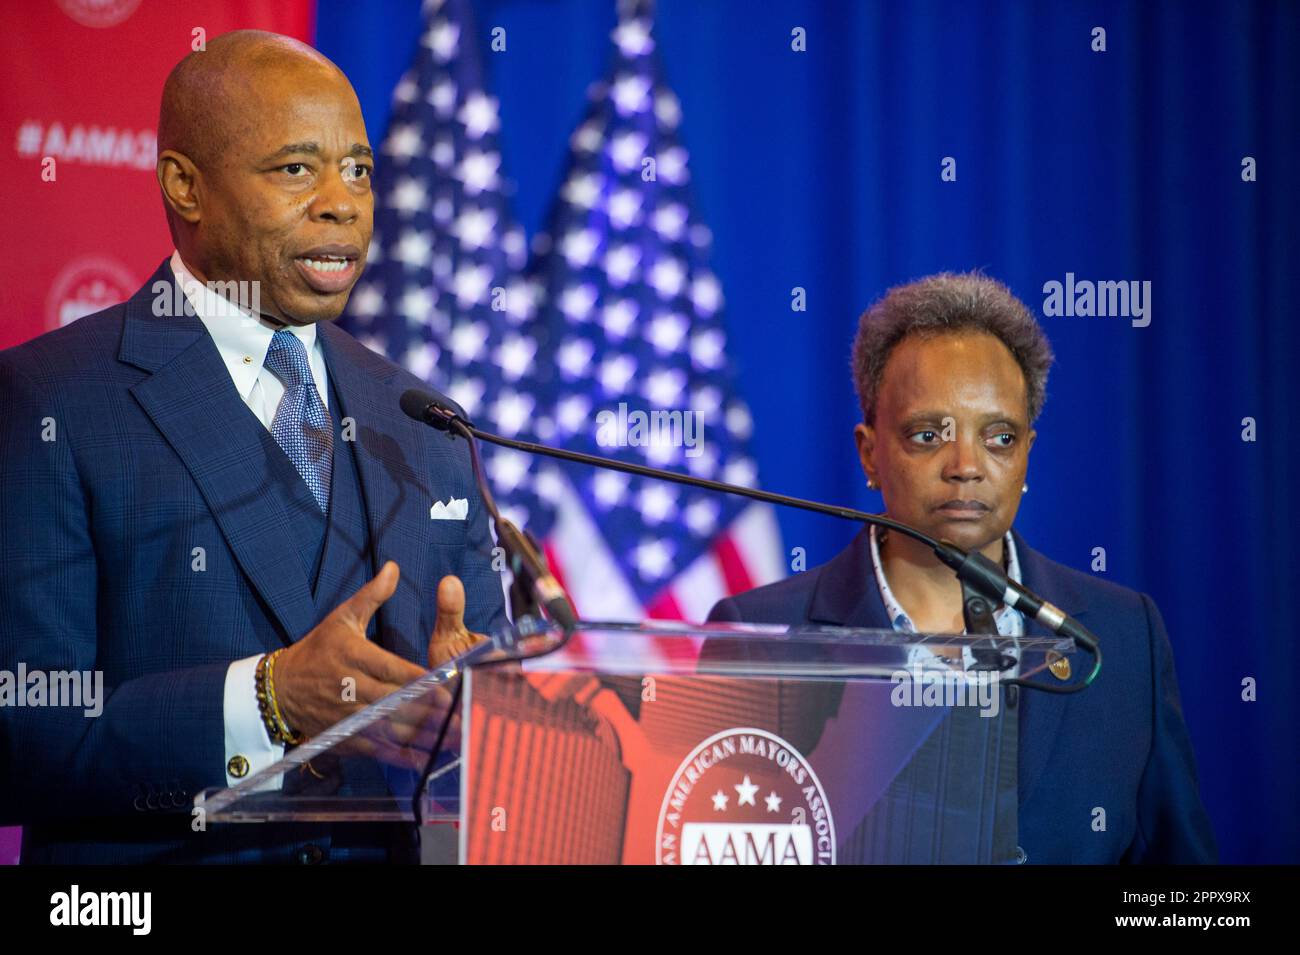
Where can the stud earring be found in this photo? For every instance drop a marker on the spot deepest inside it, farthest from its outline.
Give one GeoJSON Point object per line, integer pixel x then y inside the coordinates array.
{"type": "Point", "coordinates": [1024, 489]}
{"type": "Point", "coordinates": [872, 485]}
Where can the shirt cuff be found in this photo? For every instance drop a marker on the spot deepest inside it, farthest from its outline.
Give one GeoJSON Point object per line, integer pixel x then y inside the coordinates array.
{"type": "Point", "coordinates": [248, 749]}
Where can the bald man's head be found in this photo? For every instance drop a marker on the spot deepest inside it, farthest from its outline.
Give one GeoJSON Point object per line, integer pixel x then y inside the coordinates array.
{"type": "Point", "coordinates": [265, 170]}
{"type": "Point", "coordinates": [200, 98]}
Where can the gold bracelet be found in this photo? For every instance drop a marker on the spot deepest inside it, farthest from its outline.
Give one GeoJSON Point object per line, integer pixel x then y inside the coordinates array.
{"type": "Point", "coordinates": [287, 736]}
{"type": "Point", "coordinates": [263, 704]}
{"type": "Point", "coordinates": [269, 708]}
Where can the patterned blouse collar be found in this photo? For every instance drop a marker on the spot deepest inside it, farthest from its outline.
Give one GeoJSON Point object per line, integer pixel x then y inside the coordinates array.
{"type": "Point", "coordinates": [1010, 623]}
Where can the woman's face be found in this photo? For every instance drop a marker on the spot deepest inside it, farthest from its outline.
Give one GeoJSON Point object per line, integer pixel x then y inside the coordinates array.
{"type": "Point", "coordinates": [950, 445]}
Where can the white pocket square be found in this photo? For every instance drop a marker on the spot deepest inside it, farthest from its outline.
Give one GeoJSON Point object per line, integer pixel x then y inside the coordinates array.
{"type": "Point", "coordinates": [456, 509]}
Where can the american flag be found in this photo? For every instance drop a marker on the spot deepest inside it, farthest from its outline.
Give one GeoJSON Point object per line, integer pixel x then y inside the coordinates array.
{"type": "Point", "coordinates": [619, 314]}
{"type": "Point", "coordinates": [444, 292]}
{"type": "Point", "coordinates": [635, 314]}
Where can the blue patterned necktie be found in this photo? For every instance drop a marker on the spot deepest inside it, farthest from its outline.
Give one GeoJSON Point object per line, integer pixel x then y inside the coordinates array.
{"type": "Point", "coordinates": [302, 425]}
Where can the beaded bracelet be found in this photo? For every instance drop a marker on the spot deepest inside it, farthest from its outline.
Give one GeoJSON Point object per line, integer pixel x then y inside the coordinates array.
{"type": "Point", "coordinates": [276, 727]}
{"type": "Point", "coordinates": [288, 736]}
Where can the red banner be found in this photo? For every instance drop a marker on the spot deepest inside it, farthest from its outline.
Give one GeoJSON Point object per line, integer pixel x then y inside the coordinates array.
{"type": "Point", "coordinates": [78, 121]}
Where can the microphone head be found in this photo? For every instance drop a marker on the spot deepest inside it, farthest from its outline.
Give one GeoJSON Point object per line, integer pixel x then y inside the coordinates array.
{"type": "Point", "coordinates": [431, 408]}
{"type": "Point", "coordinates": [416, 404]}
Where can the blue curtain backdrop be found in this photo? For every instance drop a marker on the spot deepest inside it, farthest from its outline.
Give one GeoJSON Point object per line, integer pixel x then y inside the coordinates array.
{"type": "Point", "coordinates": [821, 169]}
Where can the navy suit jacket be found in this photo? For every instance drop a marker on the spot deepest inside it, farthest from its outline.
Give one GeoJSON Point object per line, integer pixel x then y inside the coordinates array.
{"type": "Point", "coordinates": [97, 529]}
{"type": "Point", "coordinates": [1121, 745]}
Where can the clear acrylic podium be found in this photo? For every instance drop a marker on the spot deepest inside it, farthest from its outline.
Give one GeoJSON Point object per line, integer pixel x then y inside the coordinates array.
{"type": "Point", "coordinates": [673, 744]}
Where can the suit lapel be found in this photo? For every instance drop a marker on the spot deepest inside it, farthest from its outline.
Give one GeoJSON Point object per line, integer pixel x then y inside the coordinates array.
{"type": "Point", "coordinates": [846, 594]}
{"type": "Point", "coordinates": [394, 473]}
{"type": "Point", "coordinates": [192, 401]}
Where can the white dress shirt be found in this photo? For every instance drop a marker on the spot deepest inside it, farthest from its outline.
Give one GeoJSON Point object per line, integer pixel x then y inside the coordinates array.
{"type": "Point", "coordinates": [243, 340]}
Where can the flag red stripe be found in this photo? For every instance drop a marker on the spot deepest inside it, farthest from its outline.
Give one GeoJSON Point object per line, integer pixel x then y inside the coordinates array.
{"type": "Point", "coordinates": [734, 571]}
{"type": "Point", "coordinates": [664, 607]}
{"type": "Point", "coordinates": [683, 649]}
{"type": "Point", "coordinates": [556, 566]}
{"type": "Point", "coordinates": [577, 645]}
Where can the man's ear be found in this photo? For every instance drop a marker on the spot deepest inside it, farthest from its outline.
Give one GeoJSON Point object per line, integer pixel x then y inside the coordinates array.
{"type": "Point", "coordinates": [864, 435]}
{"type": "Point", "coordinates": [178, 179]}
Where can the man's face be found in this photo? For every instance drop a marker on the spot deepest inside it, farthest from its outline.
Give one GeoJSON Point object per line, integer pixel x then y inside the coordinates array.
{"type": "Point", "coordinates": [287, 200]}
{"type": "Point", "coordinates": [968, 389]}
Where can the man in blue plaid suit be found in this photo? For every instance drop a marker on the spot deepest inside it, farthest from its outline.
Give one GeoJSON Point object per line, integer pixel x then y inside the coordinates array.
{"type": "Point", "coordinates": [213, 471]}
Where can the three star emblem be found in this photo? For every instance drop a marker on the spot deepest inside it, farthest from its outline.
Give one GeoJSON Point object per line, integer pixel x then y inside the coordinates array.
{"type": "Point", "coordinates": [745, 792]}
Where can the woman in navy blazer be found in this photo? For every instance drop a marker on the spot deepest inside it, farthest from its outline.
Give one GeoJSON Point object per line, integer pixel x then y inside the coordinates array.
{"type": "Point", "coordinates": [951, 372]}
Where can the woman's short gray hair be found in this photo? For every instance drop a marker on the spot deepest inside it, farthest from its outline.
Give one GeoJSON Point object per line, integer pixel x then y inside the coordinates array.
{"type": "Point", "coordinates": [942, 304]}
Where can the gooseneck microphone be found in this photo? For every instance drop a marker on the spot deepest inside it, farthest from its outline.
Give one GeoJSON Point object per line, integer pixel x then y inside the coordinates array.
{"type": "Point", "coordinates": [983, 581]}
{"type": "Point", "coordinates": [527, 565]}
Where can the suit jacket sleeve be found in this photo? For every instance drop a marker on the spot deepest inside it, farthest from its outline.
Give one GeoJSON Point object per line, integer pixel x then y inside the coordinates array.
{"type": "Point", "coordinates": [724, 611]}
{"type": "Point", "coordinates": [724, 650]}
{"type": "Point", "coordinates": [159, 733]}
{"type": "Point", "coordinates": [1173, 826]}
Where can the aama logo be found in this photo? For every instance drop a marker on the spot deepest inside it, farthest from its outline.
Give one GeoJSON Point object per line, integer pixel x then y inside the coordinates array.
{"type": "Point", "coordinates": [745, 797]}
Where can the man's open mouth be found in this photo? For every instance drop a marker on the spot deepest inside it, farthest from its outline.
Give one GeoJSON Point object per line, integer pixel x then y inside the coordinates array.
{"type": "Point", "coordinates": [326, 265]}
{"type": "Point", "coordinates": [329, 269]}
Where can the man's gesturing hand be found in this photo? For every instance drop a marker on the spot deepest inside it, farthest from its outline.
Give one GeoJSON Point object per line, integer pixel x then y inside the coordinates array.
{"type": "Point", "coordinates": [450, 637]}
{"type": "Point", "coordinates": [309, 675]}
